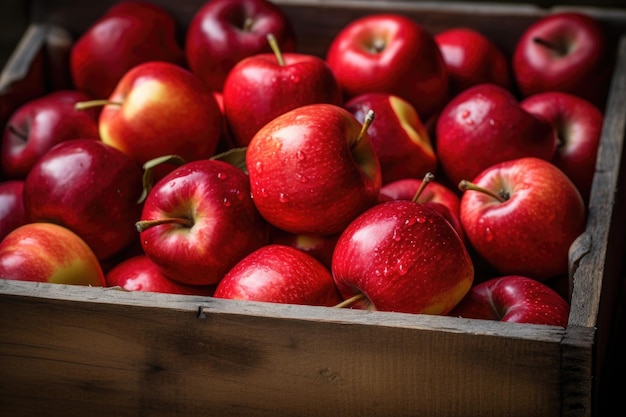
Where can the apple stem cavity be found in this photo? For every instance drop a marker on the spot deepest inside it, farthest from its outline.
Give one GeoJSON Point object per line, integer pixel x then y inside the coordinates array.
{"type": "Point", "coordinates": [17, 132]}
{"type": "Point", "coordinates": [559, 49]}
{"type": "Point", "coordinates": [502, 196]}
{"type": "Point", "coordinates": [349, 301]}
{"type": "Point", "coordinates": [82, 105]}
{"type": "Point", "coordinates": [276, 49]}
{"type": "Point", "coordinates": [143, 225]}
{"type": "Point", "coordinates": [427, 179]}
{"type": "Point", "coordinates": [369, 119]}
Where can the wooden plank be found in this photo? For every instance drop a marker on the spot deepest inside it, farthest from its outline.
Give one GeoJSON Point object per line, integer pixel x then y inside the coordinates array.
{"type": "Point", "coordinates": [127, 354]}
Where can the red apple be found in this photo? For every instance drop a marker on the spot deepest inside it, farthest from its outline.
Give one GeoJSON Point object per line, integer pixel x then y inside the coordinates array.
{"type": "Point", "coordinates": [140, 273]}
{"type": "Point", "coordinates": [12, 213]}
{"type": "Point", "coordinates": [390, 53]}
{"type": "Point", "coordinates": [514, 299]}
{"type": "Point", "coordinates": [263, 86]}
{"type": "Point", "coordinates": [90, 188]}
{"type": "Point", "coordinates": [578, 123]}
{"type": "Point", "coordinates": [41, 123]}
{"type": "Point", "coordinates": [402, 256]}
{"type": "Point", "coordinates": [318, 246]}
{"type": "Point", "coordinates": [160, 109]}
{"type": "Point", "coordinates": [199, 221]}
{"type": "Point", "coordinates": [472, 58]}
{"type": "Point", "coordinates": [279, 274]}
{"type": "Point", "coordinates": [522, 216]}
{"type": "Point", "coordinates": [313, 170]}
{"type": "Point", "coordinates": [563, 51]}
{"type": "Point", "coordinates": [485, 125]}
{"type": "Point", "coordinates": [46, 252]}
{"type": "Point", "coordinates": [431, 193]}
{"type": "Point", "coordinates": [399, 137]}
{"type": "Point", "coordinates": [223, 32]}
{"type": "Point", "coordinates": [128, 34]}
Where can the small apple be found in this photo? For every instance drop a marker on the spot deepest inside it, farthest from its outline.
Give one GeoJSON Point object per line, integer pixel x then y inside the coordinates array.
{"type": "Point", "coordinates": [223, 32]}
{"type": "Point", "coordinates": [313, 170]}
{"type": "Point", "coordinates": [522, 216]}
{"type": "Point", "coordinates": [279, 274]}
{"type": "Point", "coordinates": [514, 299]}
{"type": "Point", "coordinates": [127, 34]}
{"type": "Point", "coordinates": [485, 125]}
{"type": "Point", "coordinates": [472, 58]}
{"type": "Point", "coordinates": [564, 51]}
{"type": "Point", "coordinates": [140, 273]}
{"type": "Point", "coordinates": [399, 137]}
{"type": "Point", "coordinates": [578, 123]}
{"type": "Point", "coordinates": [89, 187]}
{"type": "Point", "coordinates": [12, 213]}
{"type": "Point", "coordinates": [47, 252]}
{"type": "Point", "coordinates": [261, 87]}
{"type": "Point", "coordinates": [390, 53]}
{"type": "Point", "coordinates": [402, 256]}
{"type": "Point", "coordinates": [159, 109]}
{"type": "Point", "coordinates": [199, 221]}
{"type": "Point", "coordinates": [41, 123]}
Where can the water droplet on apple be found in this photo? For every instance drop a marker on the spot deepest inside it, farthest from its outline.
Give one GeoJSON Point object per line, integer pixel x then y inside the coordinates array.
{"type": "Point", "coordinates": [466, 114]}
{"type": "Point", "coordinates": [492, 122]}
{"type": "Point", "coordinates": [300, 155]}
{"type": "Point", "coordinates": [421, 219]}
{"type": "Point", "coordinates": [258, 166]}
{"type": "Point", "coordinates": [282, 198]}
{"type": "Point", "coordinates": [488, 234]}
{"type": "Point", "coordinates": [221, 175]}
{"type": "Point", "coordinates": [226, 202]}
{"type": "Point", "coordinates": [410, 221]}
{"type": "Point", "coordinates": [395, 236]}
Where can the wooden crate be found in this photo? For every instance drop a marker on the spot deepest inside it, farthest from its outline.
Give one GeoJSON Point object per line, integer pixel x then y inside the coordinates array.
{"type": "Point", "coordinates": [77, 351]}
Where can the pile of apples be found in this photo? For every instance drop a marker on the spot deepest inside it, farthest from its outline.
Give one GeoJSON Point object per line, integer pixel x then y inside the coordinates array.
{"type": "Point", "coordinates": [404, 171]}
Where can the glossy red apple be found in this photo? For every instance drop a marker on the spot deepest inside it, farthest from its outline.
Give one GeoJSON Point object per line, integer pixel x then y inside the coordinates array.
{"type": "Point", "coordinates": [390, 53]}
{"type": "Point", "coordinates": [402, 256]}
{"type": "Point", "coordinates": [485, 125]}
{"type": "Point", "coordinates": [128, 34]}
{"type": "Point", "coordinates": [522, 216]}
{"type": "Point", "coordinates": [223, 32]}
{"type": "Point", "coordinates": [279, 274]}
{"type": "Point", "coordinates": [514, 299]}
{"type": "Point", "coordinates": [472, 58]}
{"type": "Point", "coordinates": [318, 246]}
{"type": "Point", "coordinates": [264, 86]}
{"type": "Point", "coordinates": [12, 213]}
{"type": "Point", "coordinates": [41, 123]}
{"type": "Point", "coordinates": [90, 188]}
{"type": "Point", "coordinates": [313, 170]}
{"type": "Point", "coordinates": [199, 221]}
{"type": "Point", "coordinates": [399, 137]}
{"type": "Point", "coordinates": [159, 109]}
{"type": "Point", "coordinates": [564, 51]}
{"type": "Point", "coordinates": [578, 123]}
{"type": "Point", "coordinates": [46, 252]}
{"type": "Point", "coordinates": [140, 273]}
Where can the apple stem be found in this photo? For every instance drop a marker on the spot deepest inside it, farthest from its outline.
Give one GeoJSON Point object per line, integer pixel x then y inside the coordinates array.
{"type": "Point", "coordinates": [427, 179]}
{"type": "Point", "coordinates": [550, 45]}
{"type": "Point", "coordinates": [501, 196]}
{"type": "Point", "coordinates": [17, 132]}
{"type": "Point", "coordinates": [349, 301]}
{"type": "Point", "coordinates": [247, 24]}
{"type": "Point", "coordinates": [82, 105]}
{"type": "Point", "coordinates": [143, 225]}
{"type": "Point", "coordinates": [276, 48]}
{"type": "Point", "coordinates": [369, 118]}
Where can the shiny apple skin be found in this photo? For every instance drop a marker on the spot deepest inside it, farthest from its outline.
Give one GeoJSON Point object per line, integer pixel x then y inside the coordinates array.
{"type": "Point", "coordinates": [216, 39]}
{"type": "Point", "coordinates": [12, 213]}
{"type": "Point", "coordinates": [41, 123]}
{"type": "Point", "coordinates": [404, 257]}
{"type": "Point", "coordinates": [46, 252]}
{"type": "Point", "coordinates": [514, 299]}
{"type": "Point", "coordinates": [259, 89]}
{"type": "Point", "coordinates": [140, 273]}
{"type": "Point", "coordinates": [304, 176]}
{"type": "Point", "coordinates": [531, 232]}
{"type": "Point", "coordinates": [89, 187]}
{"type": "Point", "coordinates": [215, 196]}
{"type": "Point", "coordinates": [280, 274]}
